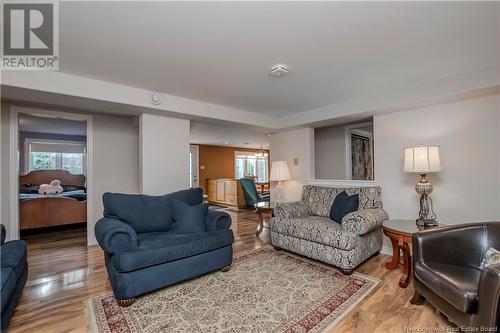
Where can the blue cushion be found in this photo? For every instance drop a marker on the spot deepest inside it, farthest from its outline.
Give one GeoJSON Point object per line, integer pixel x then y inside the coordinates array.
{"type": "Point", "coordinates": [188, 218]}
{"type": "Point", "coordinates": [146, 213]}
{"type": "Point", "coordinates": [157, 248]}
{"type": "Point", "coordinates": [9, 281]}
{"type": "Point", "coordinates": [13, 255]}
{"type": "Point", "coordinates": [343, 205]}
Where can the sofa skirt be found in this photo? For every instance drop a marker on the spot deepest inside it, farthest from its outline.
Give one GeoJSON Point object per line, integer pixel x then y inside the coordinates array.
{"type": "Point", "coordinates": [367, 245]}
{"type": "Point", "coordinates": [141, 281]}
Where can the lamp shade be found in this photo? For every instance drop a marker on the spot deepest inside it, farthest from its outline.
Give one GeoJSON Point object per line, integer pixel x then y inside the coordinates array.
{"type": "Point", "coordinates": [422, 159]}
{"type": "Point", "coordinates": [279, 171]}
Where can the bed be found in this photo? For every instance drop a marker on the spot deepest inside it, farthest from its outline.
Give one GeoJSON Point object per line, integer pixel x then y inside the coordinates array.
{"type": "Point", "coordinates": [45, 210]}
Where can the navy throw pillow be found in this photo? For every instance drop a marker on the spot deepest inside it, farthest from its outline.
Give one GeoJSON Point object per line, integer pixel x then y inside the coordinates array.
{"type": "Point", "coordinates": [143, 213]}
{"type": "Point", "coordinates": [188, 219]}
{"type": "Point", "coordinates": [343, 205]}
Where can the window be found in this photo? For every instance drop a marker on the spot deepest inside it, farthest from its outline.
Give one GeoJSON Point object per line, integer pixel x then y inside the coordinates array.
{"type": "Point", "coordinates": [248, 164]}
{"type": "Point", "coordinates": [51, 155]}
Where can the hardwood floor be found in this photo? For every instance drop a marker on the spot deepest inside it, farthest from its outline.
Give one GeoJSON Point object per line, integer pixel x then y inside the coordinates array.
{"type": "Point", "coordinates": [64, 273]}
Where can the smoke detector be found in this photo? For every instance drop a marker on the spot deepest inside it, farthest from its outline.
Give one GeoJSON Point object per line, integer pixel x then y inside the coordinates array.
{"type": "Point", "coordinates": [278, 70]}
{"type": "Point", "coordinates": [155, 98]}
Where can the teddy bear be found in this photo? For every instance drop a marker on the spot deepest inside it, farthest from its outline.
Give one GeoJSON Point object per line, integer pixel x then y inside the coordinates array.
{"type": "Point", "coordinates": [53, 188]}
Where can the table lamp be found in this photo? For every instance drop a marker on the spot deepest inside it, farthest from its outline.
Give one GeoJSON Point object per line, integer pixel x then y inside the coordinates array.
{"type": "Point", "coordinates": [423, 160]}
{"type": "Point", "coordinates": [279, 172]}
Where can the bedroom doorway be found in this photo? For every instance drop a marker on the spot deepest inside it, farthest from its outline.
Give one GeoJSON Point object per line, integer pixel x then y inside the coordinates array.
{"type": "Point", "coordinates": [52, 163]}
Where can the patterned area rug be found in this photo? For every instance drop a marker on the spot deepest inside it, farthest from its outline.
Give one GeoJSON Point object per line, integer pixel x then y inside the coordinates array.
{"type": "Point", "coordinates": [265, 291]}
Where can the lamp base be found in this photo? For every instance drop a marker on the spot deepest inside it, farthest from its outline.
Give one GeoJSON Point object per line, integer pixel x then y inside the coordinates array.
{"type": "Point", "coordinates": [426, 215]}
{"type": "Point", "coordinates": [427, 223]}
{"type": "Point", "coordinates": [278, 192]}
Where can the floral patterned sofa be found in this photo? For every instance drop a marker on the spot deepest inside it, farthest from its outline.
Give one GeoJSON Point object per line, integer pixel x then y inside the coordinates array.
{"type": "Point", "coordinates": [304, 227]}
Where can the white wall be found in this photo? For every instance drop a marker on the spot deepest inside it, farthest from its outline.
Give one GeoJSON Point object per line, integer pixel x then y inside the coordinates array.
{"type": "Point", "coordinates": [330, 155]}
{"type": "Point", "coordinates": [468, 188]}
{"type": "Point", "coordinates": [164, 154]}
{"type": "Point", "coordinates": [287, 146]}
{"type": "Point", "coordinates": [5, 167]}
{"type": "Point", "coordinates": [116, 159]}
{"type": "Point", "coordinates": [468, 132]}
{"type": "Point", "coordinates": [233, 136]}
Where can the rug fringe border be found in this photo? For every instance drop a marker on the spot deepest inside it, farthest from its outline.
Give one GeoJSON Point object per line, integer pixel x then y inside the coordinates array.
{"type": "Point", "coordinates": [375, 286]}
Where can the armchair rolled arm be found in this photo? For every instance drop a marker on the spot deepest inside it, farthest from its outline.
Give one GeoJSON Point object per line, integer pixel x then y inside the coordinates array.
{"type": "Point", "coordinates": [115, 236]}
{"type": "Point", "coordinates": [363, 221]}
{"type": "Point", "coordinates": [290, 210]}
{"type": "Point", "coordinates": [217, 220]}
{"type": "Point", "coordinates": [489, 296]}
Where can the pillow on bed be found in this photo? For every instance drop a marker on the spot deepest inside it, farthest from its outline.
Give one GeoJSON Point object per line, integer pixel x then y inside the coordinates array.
{"type": "Point", "coordinates": [28, 188]}
{"type": "Point", "coordinates": [68, 188]}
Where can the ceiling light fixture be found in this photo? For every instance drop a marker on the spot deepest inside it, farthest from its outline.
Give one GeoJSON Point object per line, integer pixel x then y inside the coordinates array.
{"type": "Point", "coordinates": [278, 70]}
{"type": "Point", "coordinates": [261, 154]}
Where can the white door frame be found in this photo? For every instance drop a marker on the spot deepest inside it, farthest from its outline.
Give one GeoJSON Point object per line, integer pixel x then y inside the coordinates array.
{"type": "Point", "coordinates": [197, 148]}
{"type": "Point", "coordinates": [14, 228]}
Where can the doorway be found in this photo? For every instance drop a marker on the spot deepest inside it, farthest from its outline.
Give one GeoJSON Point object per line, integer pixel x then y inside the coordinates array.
{"type": "Point", "coordinates": [51, 174]}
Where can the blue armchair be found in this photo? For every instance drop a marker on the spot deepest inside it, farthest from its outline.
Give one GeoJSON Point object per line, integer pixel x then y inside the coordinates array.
{"type": "Point", "coordinates": [14, 272]}
{"type": "Point", "coordinates": [144, 250]}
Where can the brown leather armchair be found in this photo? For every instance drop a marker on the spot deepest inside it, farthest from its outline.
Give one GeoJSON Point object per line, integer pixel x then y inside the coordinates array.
{"type": "Point", "coordinates": [446, 264]}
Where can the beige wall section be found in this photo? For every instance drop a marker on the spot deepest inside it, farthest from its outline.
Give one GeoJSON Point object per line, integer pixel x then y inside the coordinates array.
{"type": "Point", "coordinates": [287, 146]}
{"type": "Point", "coordinates": [116, 158]}
{"type": "Point", "coordinates": [330, 152]}
{"type": "Point", "coordinates": [498, 149]}
{"type": "Point", "coordinates": [5, 166]}
{"type": "Point", "coordinates": [164, 154]}
{"type": "Point", "coordinates": [467, 132]}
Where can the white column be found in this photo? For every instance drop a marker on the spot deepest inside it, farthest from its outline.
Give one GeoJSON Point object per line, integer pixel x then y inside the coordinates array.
{"type": "Point", "coordinates": [164, 154]}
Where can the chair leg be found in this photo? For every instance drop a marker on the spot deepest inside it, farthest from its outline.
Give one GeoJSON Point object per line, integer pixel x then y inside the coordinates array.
{"type": "Point", "coordinates": [277, 248]}
{"type": "Point", "coordinates": [125, 302]}
{"type": "Point", "coordinates": [225, 269]}
{"type": "Point", "coordinates": [417, 299]}
{"type": "Point", "coordinates": [347, 271]}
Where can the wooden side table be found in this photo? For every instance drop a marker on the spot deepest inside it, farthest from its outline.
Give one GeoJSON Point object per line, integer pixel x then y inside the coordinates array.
{"type": "Point", "coordinates": [400, 233]}
{"type": "Point", "coordinates": [263, 207]}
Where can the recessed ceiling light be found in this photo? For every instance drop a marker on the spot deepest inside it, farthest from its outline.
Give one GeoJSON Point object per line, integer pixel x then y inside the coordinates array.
{"type": "Point", "coordinates": [278, 70]}
{"type": "Point", "coordinates": [226, 143]}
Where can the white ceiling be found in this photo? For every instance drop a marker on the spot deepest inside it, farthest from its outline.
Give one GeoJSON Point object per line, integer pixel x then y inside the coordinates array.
{"type": "Point", "coordinates": [51, 125]}
{"type": "Point", "coordinates": [220, 52]}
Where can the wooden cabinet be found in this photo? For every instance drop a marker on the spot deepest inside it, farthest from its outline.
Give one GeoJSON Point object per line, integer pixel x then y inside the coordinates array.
{"type": "Point", "coordinates": [225, 191]}
{"type": "Point", "coordinates": [220, 191]}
